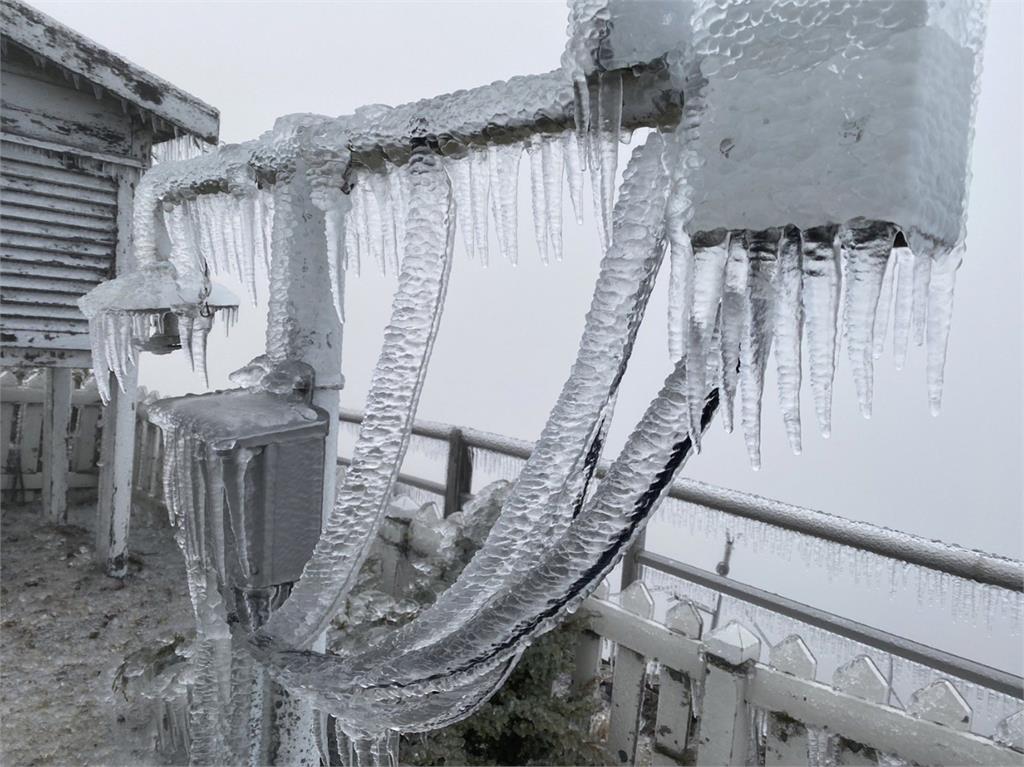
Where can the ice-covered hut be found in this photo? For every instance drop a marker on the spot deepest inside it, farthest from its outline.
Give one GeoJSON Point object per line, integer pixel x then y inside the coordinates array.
{"type": "Point", "coordinates": [79, 124]}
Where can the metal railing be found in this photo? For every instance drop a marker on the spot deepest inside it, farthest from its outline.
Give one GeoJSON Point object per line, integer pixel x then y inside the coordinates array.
{"type": "Point", "coordinates": [977, 566]}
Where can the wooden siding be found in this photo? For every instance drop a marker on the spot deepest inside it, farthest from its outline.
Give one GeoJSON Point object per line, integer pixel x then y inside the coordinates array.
{"type": "Point", "coordinates": [58, 238]}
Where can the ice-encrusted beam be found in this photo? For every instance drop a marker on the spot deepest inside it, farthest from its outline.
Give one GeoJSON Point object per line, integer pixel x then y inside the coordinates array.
{"type": "Point", "coordinates": [511, 111]}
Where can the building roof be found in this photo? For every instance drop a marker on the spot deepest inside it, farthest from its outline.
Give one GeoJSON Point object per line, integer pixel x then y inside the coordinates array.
{"type": "Point", "coordinates": [171, 110]}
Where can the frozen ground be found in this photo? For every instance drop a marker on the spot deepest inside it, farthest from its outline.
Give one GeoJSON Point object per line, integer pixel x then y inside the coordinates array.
{"type": "Point", "coordinates": [64, 629]}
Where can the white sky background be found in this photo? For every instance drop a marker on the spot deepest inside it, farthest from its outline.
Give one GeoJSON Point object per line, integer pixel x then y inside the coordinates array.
{"type": "Point", "coordinates": [509, 334]}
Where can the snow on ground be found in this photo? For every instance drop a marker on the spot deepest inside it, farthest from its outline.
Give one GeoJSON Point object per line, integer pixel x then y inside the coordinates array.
{"type": "Point", "coordinates": [65, 627]}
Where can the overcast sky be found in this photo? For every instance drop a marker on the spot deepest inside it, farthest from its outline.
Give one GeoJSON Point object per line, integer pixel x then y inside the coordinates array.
{"type": "Point", "coordinates": [509, 334]}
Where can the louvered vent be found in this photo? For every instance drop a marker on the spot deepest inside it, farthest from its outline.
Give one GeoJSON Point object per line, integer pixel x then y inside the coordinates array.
{"type": "Point", "coordinates": [58, 218]}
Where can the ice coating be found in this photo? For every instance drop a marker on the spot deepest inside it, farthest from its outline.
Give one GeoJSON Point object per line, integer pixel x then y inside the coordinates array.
{"type": "Point", "coordinates": [391, 406]}
{"type": "Point", "coordinates": [739, 284]}
{"type": "Point", "coordinates": [540, 505]}
{"type": "Point", "coordinates": [562, 577]}
{"type": "Point", "coordinates": [864, 89]}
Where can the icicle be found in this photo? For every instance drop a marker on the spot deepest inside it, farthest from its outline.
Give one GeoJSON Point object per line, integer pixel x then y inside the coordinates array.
{"type": "Point", "coordinates": [360, 223]}
{"type": "Point", "coordinates": [604, 149]}
{"type": "Point", "coordinates": [504, 180]}
{"type": "Point", "coordinates": [386, 216]}
{"type": "Point", "coordinates": [581, 109]}
{"type": "Point", "coordinates": [374, 220]}
{"type": "Point", "coordinates": [922, 276]}
{"type": "Point", "coordinates": [539, 196]}
{"type": "Point", "coordinates": [903, 308]}
{"type": "Point", "coordinates": [680, 289]}
{"type": "Point", "coordinates": [351, 227]}
{"type": "Point", "coordinates": [553, 162]}
{"type": "Point", "coordinates": [246, 222]}
{"type": "Point", "coordinates": [334, 231]}
{"type": "Point", "coordinates": [758, 326]}
{"type": "Point", "coordinates": [459, 174]}
{"type": "Point", "coordinates": [789, 320]}
{"type": "Point", "coordinates": [867, 246]}
{"type": "Point", "coordinates": [881, 324]}
{"type": "Point", "coordinates": [479, 189]}
{"type": "Point", "coordinates": [574, 173]}
{"type": "Point", "coordinates": [821, 305]}
{"type": "Point", "coordinates": [940, 316]}
{"type": "Point", "coordinates": [734, 311]}
{"type": "Point", "coordinates": [185, 320]}
{"type": "Point", "coordinates": [710, 253]}
{"type": "Point", "coordinates": [201, 326]}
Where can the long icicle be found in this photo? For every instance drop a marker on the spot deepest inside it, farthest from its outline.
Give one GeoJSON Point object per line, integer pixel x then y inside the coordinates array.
{"type": "Point", "coordinates": [821, 307]}
{"type": "Point", "coordinates": [758, 328]}
{"type": "Point", "coordinates": [789, 323]}
{"type": "Point", "coordinates": [867, 246]}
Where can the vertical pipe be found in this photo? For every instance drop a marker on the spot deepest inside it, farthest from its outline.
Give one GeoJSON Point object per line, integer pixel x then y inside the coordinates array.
{"type": "Point", "coordinates": [459, 479]}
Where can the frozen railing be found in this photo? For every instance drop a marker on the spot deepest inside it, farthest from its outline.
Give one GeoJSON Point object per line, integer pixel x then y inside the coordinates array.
{"type": "Point", "coordinates": [473, 458]}
{"type": "Point", "coordinates": [21, 435]}
{"type": "Point", "coordinates": [718, 703]}
{"type": "Point", "coordinates": [697, 693]}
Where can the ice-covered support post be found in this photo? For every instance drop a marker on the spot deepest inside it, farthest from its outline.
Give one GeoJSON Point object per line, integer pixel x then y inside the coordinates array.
{"type": "Point", "coordinates": [56, 417]}
{"type": "Point", "coordinates": [302, 323]}
{"type": "Point", "coordinates": [117, 446]}
{"type": "Point", "coordinates": [787, 741]}
{"type": "Point", "coordinates": [674, 702]}
{"type": "Point", "coordinates": [302, 327]}
{"type": "Point", "coordinates": [724, 739]}
{"type": "Point", "coordinates": [629, 681]}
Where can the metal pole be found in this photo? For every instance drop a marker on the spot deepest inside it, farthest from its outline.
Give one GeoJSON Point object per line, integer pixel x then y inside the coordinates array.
{"type": "Point", "coordinates": [459, 481]}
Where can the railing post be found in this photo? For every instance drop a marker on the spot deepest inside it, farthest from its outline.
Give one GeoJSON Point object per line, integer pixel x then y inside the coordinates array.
{"type": "Point", "coordinates": [731, 652]}
{"type": "Point", "coordinates": [631, 563]}
{"type": "Point", "coordinates": [628, 683]}
{"type": "Point", "coordinates": [672, 727]}
{"type": "Point", "coordinates": [459, 479]}
{"type": "Point", "coordinates": [56, 415]}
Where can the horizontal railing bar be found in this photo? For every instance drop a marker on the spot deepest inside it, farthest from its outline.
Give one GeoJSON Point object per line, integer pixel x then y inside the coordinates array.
{"type": "Point", "coordinates": [962, 668]}
{"type": "Point", "coordinates": [948, 558]}
{"type": "Point", "coordinates": [404, 479]}
{"type": "Point", "coordinates": [970, 564]}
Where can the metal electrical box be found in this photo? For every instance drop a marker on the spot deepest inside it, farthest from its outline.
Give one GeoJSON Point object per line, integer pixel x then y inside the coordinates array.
{"type": "Point", "coordinates": [271, 449]}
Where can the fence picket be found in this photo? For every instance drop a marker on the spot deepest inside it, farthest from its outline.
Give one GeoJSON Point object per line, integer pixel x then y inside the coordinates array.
{"type": "Point", "coordinates": [672, 727]}
{"type": "Point", "coordinates": [942, 703]}
{"type": "Point", "coordinates": [724, 738]}
{"type": "Point", "coordinates": [787, 740]}
{"type": "Point", "coordinates": [628, 682]}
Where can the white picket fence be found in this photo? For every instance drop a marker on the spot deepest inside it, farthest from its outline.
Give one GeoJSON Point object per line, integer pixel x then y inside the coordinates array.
{"type": "Point", "coordinates": [21, 435]}
{"type": "Point", "coordinates": [718, 705]}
